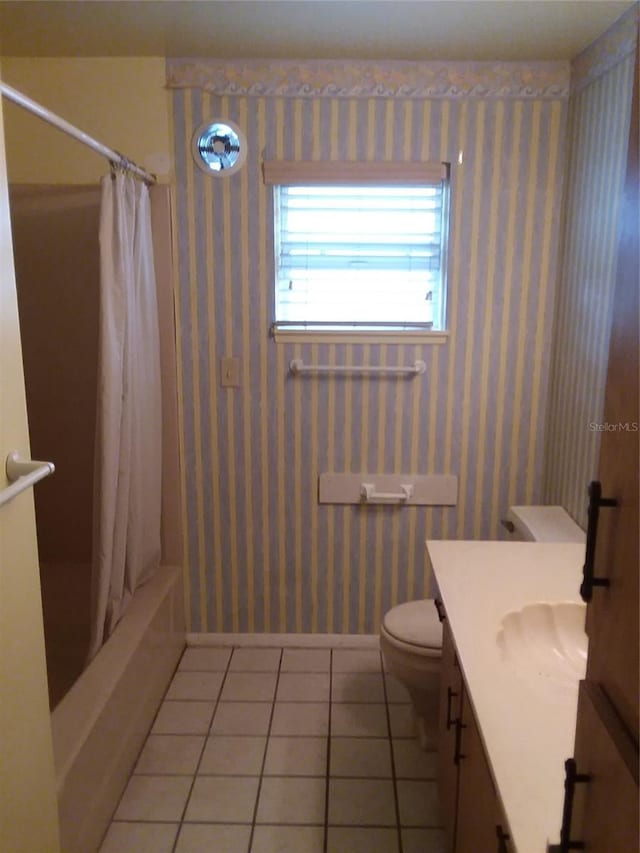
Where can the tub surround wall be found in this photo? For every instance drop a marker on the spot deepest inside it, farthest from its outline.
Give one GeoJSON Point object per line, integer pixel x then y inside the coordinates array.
{"type": "Point", "coordinates": [55, 244]}
{"type": "Point", "coordinates": [263, 555]}
{"type": "Point", "coordinates": [598, 130]}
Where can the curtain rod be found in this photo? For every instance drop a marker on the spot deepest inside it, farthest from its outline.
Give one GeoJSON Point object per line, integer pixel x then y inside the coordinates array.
{"type": "Point", "coordinates": [113, 156]}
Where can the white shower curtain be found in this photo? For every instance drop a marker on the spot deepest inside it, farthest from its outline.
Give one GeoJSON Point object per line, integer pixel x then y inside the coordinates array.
{"type": "Point", "coordinates": [127, 477]}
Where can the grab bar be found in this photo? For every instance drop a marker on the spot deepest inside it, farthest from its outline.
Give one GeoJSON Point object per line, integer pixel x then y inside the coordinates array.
{"type": "Point", "coordinates": [23, 473]}
{"type": "Point", "coordinates": [369, 495]}
{"type": "Point", "coordinates": [298, 367]}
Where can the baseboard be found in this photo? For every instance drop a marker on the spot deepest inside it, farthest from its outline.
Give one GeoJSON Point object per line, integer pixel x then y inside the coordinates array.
{"type": "Point", "coordinates": [299, 641]}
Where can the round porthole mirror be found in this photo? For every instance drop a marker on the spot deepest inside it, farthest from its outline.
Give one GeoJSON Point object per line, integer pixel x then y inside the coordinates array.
{"type": "Point", "coordinates": [219, 147]}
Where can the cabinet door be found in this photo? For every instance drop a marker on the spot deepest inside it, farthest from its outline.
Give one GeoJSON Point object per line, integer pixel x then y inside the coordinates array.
{"type": "Point", "coordinates": [479, 814]}
{"type": "Point", "coordinates": [606, 807]}
{"type": "Point", "coordinates": [612, 615]}
{"type": "Point", "coordinates": [450, 706]}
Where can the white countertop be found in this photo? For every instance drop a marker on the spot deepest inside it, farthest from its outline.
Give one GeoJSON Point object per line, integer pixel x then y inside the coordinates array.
{"type": "Point", "coordinates": [528, 733]}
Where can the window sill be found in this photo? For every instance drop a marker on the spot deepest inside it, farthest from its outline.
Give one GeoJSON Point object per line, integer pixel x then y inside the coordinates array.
{"type": "Point", "coordinates": [352, 336]}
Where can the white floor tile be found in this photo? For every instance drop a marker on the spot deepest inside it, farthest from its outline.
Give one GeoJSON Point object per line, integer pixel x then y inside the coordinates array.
{"type": "Point", "coordinates": [249, 687]}
{"type": "Point", "coordinates": [361, 802]}
{"type": "Point", "coordinates": [214, 837]}
{"type": "Point", "coordinates": [195, 685]}
{"type": "Point", "coordinates": [290, 799]}
{"type": "Point", "coordinates": [296, 756]}
{"type": "Point", "coordinates": [411, 762]}
{"type": "Point", "coordinates": [300, 718]}
{"type": "Point", "coordinates": [359, 720]}
{"type": "Point", "coordinates": [222, 799]}
{"type": "Point", "coordinates": [170, 754]}
{"type": "Point", "coordinates": [306, 660]}
{"type": "Point", "coordinates": [255, 660]}
{"type": "Point", "coordinates": [418, 803]}
{"type": "Point", "coordinates": [344, 839]}
{"type": "Point", "coordinates": [356, 660]}
{"type": "Point", "coordinates": [139, 838]}
{"type": "Point", "coordinates": [288, 742]}
{"type": "Point", "coordinates": [363, 757]}
{"type": "Point", "coordinates": [205, 659]}
{"type": "Point", "coordinates": [423, 841]}
{"type": "Point", "coordinates": [154, 798]}
{"type": "Point", "coordinates": [242, 718]}
{"type": "Point", "coordinates": [357, 687]}
{"type": "Point", "coordinates": [303, 687]}
{"type": "Point", "coordinates": [288, 839]}
{"type": "Point", "coordinates": [233, 755]}
{"type": "Point", "coordinates": [183, 718]}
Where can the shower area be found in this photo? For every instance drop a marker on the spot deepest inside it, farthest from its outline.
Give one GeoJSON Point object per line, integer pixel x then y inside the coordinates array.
{"type": "Point", "coordinates": [57, 262]}
{"type": "Point", "coordinates": [106, 682]}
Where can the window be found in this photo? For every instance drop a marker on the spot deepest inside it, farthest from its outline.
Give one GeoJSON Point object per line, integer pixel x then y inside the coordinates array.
{"type": "Point", "coordinates": [359, 246]}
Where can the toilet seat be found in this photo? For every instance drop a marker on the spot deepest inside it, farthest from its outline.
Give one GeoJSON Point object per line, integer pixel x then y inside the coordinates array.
{"type": "Point", "coordinates": [414, 626]}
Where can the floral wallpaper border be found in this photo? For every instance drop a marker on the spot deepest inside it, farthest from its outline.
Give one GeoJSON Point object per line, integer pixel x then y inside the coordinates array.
{"type": "Point", "coordinates": [361, 79]}
{"type": "Point", "coordinates": [606, 51]}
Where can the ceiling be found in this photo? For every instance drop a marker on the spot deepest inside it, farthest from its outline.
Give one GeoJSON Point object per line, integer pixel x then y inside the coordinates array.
{"type": "Point", "coordinates": [307, 29]}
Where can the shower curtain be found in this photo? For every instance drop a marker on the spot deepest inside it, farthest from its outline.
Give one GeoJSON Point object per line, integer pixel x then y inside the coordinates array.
{"type": "Point", "coordinates": [127, 476]}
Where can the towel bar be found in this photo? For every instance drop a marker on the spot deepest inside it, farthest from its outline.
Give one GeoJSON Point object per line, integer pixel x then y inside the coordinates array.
{"type": "Point", "coordinates": [23, 473]}
{"type": "Point", "coordinates": [298, 367]}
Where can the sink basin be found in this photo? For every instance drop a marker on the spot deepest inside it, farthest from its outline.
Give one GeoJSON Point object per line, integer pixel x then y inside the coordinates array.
{"type": "Point", "coordinates": [545, 643]}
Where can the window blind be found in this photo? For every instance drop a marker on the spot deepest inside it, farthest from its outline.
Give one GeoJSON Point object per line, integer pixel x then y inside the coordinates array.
{"type": "Point", "coordinates": [360, 255]}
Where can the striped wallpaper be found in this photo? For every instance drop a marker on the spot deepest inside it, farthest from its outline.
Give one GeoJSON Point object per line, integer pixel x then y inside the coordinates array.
{"type": "Point", "coordinates": [598, 130]}
{"type": "Point", "coordinates": [263, 555]}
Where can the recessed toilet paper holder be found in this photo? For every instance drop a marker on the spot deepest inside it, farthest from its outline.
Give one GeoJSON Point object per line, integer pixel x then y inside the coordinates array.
{"type": "Point", "coordinates": [369, 495]}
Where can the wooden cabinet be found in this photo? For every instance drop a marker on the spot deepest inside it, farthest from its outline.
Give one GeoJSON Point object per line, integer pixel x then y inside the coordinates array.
{"type": "Point", "coordinates": [605, 814]}
{"type": "Point", "coordinates": [471, 811]}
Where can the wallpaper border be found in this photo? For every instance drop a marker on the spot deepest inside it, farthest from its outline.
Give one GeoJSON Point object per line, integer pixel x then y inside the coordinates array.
{"type": "Point", "coordinates": [609, 49]}
{"type": "Point", "coordinates": [361, 79]}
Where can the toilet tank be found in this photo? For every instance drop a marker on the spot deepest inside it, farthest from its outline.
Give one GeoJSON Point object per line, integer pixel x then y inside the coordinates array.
{"type": "Point", "coordinates": [542, 524]}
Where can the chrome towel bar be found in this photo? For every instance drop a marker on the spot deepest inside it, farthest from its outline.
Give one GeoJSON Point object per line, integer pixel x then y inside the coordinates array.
{"type": "Point", "coordinates": [23, 473]}
{"type": "Point", "coordinates": [298, 367]}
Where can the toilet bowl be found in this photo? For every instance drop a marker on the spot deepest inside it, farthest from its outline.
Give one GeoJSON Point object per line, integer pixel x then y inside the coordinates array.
{"type": "Point", "coordinates": [411, 644]}
{"type": "Point", "coordinates": [411, 633]}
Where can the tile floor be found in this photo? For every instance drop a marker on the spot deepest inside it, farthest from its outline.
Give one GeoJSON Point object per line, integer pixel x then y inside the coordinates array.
{"type": "Point", "coordinates": [280, 751]}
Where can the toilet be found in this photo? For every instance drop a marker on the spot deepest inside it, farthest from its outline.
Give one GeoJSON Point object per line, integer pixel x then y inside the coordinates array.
{"type": "Point", "coordinates": [411, 633]}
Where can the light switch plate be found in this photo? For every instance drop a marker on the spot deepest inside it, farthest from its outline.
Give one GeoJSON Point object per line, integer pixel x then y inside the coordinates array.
{"type": "Point", "coordinates": [230, 372]}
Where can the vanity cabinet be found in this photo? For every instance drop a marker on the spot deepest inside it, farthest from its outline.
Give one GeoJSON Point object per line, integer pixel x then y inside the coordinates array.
{"type": "Point", "coordinates": [471, 810]}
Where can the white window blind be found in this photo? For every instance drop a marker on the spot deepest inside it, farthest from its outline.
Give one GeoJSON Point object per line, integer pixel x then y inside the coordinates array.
{"type": "Point", "coordinates": [360, 247]}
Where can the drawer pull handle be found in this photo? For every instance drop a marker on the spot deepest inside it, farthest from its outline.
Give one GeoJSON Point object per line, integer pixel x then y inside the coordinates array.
{"type": "Point", "coordinates": [503, 837]}
{"type": "Point", "coordinates": [595, 502]}
{"type": "Point", "coordinates": [450, 695]}
{"type": "Point", "coordinates": [458, 754]}
{"type": "Point", "coordinates": [571, 779]}
{"type": "Point", "coordinates": [440, 608]}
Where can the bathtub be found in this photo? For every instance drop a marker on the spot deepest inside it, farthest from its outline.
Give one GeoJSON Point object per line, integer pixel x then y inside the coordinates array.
{"type": "Point", "coordinates": [100, 725]}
